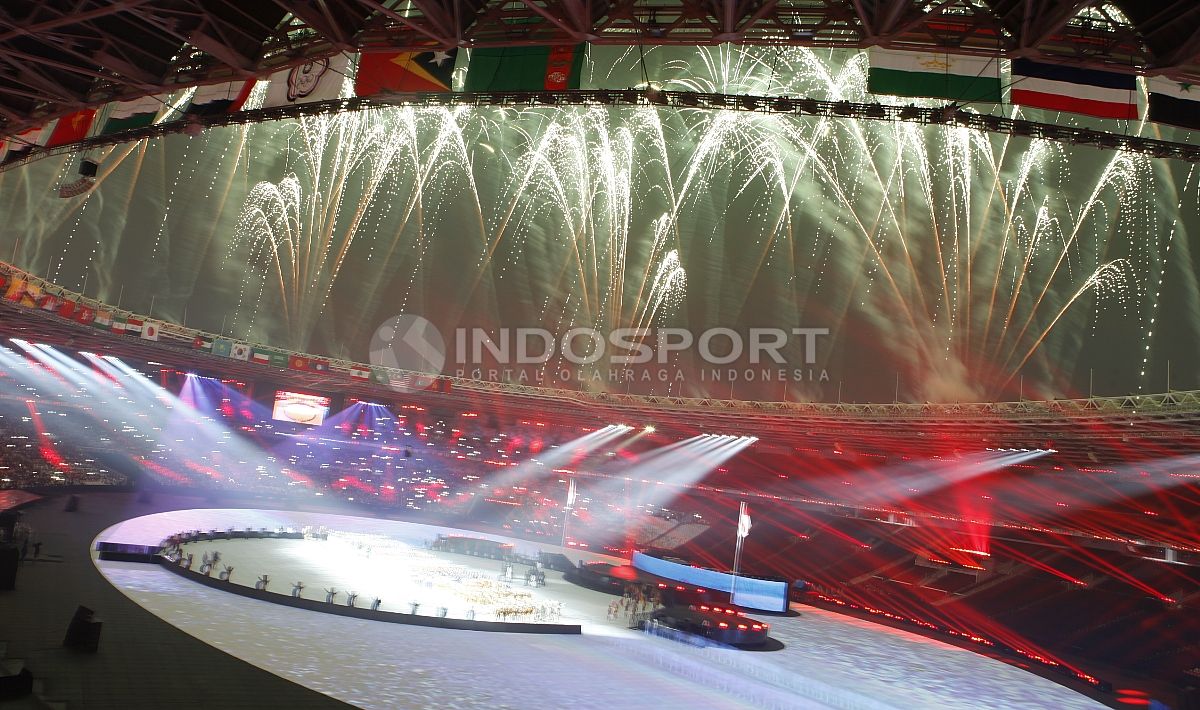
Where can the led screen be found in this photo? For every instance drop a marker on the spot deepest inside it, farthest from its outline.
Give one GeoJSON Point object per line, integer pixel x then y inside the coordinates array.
{"type": "Point", "coordinates": [751, 593]}
{"type": "Point", "coordinates": [300, 408]}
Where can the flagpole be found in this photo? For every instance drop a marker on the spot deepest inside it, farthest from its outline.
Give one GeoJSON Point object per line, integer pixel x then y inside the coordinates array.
{"type": "Point", "coordinates": [737, 551]}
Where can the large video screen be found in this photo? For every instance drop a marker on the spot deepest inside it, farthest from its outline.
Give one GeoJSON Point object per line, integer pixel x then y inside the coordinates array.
{"type": "Point", "coordinates": [752, 593]}
{"type": "Point", "coordinates": [300, 408]}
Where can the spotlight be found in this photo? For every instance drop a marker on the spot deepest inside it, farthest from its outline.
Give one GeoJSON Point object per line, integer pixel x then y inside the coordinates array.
{"type": "Point", "coordinates": [649, 429]}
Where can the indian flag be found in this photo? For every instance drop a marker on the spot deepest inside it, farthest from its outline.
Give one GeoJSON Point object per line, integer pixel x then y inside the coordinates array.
{"type": "Point", "coordinates": [960, 78]}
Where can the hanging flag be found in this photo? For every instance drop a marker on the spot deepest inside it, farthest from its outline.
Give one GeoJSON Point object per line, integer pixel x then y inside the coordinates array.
{"type": "Point", "coordinates": [1092, 92]}
{"type": "Point", "coordinates": [128, 115]}
{"type": "Point", "coordinates": [48, 302]}
{"type": "Point", "coordinates": [103, 319]}
{"type": "Point", "coordinates": [118, 324]}
{"type": "Point", "coordinates": [1176, 103]}
{"type": "Point", "coordinates": [404, 71]}
{"type": "Point", "coordinates": [150, 330]}
{"type": "Point", "coordinates": [222, 347]}
{"type": "Point", "coordinates": [743, 522]}
{"type": "Point", "coordinates": [380, 376]}
{"type": "Point", "coordinates": [318, 366]}
{"type": "Point", "coordinates": [525, 68]}
{"type": "Point", "coordinates": [960, 78]}
{"type": "Point", "coordinates": [240, 351]}
{"type": "Point", "coordinates": [66, 308]}
{"type": "Point", "coordinates": [260, 356]}
{"type": "Point", "coordinates": [360, 373]}
{"type": "Point", "coordinates": [279, 360]}
{"type": "Point", "coordinates": [85, 315]}
{"type": "Point", "coordinates": [133, 326]}
{"type": "Point", "coordinates": [21, 144]}
{"type": "Point", "coordinates": [216, 99]}
{"type": "Point", "coordinates": [315, 80]}
{"type": "Point", "coordinates": [201, 342]}
{"type": "Point", "coordinates": [72, 128]}
{"type": "Point", "coordinates": [298, 362]}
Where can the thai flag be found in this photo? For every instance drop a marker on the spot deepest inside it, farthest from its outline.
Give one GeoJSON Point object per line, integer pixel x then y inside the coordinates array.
{"type": "Point", "coordinates": [1091, 92]}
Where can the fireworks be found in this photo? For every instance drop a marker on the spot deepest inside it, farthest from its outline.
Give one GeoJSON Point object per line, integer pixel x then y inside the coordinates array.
{"type": "Point", "coordinates": [951, 260]}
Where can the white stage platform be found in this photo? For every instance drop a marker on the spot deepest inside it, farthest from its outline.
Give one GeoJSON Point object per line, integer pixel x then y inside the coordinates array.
{"type": "Point", "coordinates": [830, 660]}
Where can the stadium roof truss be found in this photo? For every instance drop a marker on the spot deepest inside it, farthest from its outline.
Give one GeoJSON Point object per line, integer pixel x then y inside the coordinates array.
{"type": "Point", "coordinates": [58, 56]}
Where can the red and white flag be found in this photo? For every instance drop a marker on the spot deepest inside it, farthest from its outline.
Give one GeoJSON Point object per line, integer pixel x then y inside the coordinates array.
{"type": "Point", "coordinates": [150, 330]}
{"type": "Point", "coordinates": [359, 373]}
{"type": "Point", "coordinates": [1057, 87]}
{"type": "Point", "coordinates": [133, 326]}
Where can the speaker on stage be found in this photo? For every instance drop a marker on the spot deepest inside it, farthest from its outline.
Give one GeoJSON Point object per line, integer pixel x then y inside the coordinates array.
{"type": "Point", "coordinates": [83, 633]}
{"type": "Point", "coordinates": [9, 557]}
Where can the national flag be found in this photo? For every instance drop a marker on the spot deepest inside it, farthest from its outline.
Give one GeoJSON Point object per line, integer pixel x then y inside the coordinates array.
{"type": "Point", "coordinates": [25, 141]}
{"type": "Point", "coordinates": [118, 324]}
{"type": "Point", "coordinates": [240, 351]}
{"type": "Point", "coordinates": [150, 330]}
{"type": "Point", "coordinates": [22, 293]}
{"type": "Point", "coordinates": [259, 356]}
{"type": "Point", "coordinates": [85, 315]}
{"type": "Point", "coordinates": [380, 376]}
{"type": "Point", "coordinates": [360, 373]}
{"type": "Point", "coordinates": [743, 528]}
{"type": "Point", "coordinates": [380, 72]}
{"type": "Point", "coordinates": [216, 99]}
{"type": "Point", "coordinates": [72, 128]}
{"type": "Point", "coordinates": [103, 319]}
{"type": "Point", "coordinates": [315, 80]}
{"type": "Point", "coordinates": [298, 362]}
{"type": "Point", "coordinates": [128, 115]}
{"type": "Point", "coordinates": [1176, 103]}
{"type": "Point", "coordinates": [222, 347]}
{"type": "Point", "coordinates": [133, 326]}
{"type": "Point", "coordinates": [525, 68]}
{"type": "Point", "coordinates": [318, 365]}
{"type": "Point", "coordinates": [1056, 87]}
{"type": "Point", "coordinates": [66, 308]}
{"type": "Point", "coordinates": [48, 302]}
{"type": "Point", "coordinates": [279, 360]}
{"type": "Point", "coordinates": [200, 342]}
{"type": "Point", "coordinates": [960, 78]}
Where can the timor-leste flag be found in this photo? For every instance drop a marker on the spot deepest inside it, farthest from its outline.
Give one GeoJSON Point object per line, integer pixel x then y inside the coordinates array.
{"type": "Point", "coordinates": [526, 68]}
{"type": "Point", "coordinates": [404, 71]}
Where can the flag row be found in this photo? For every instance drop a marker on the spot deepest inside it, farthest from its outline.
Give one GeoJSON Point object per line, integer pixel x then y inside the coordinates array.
{"type": "Point", "coordinates": [1051, 87]}
{"type": "Point", "coordinates": [499, 69]}
{"type": "Point", "coordinates": [21, 291]}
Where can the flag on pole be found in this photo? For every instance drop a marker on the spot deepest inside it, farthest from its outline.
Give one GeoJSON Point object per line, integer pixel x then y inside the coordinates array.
{"type": "Point", "coordinates": [743, 528]}
{"type": "Point", "coordinates": [383, 72]}
{"type": "Point", "coordinates": [315, 80]}
{"type": "Point", "coordinates": [959, 78]}
{"type": "Point", "coordinates": [1057, 87]}
{"type": "Point", "coordinates": [525, 68]}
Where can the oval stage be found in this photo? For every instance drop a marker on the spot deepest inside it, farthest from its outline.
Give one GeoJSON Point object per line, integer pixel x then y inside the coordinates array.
{"type": "Point", "coordinates": [828, 660]}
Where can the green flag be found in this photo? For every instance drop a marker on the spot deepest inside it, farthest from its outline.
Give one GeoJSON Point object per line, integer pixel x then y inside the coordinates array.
{"type": "Point", "coordinates": [525, 68]}
{"type": "Point", "coordinates": [127, 115]}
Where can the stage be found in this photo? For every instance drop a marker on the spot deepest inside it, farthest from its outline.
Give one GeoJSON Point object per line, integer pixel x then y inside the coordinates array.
{"type": "Point", "coordinates": [828, 660]}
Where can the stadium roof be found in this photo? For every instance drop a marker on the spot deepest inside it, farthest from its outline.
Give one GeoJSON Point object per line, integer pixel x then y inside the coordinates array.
{"type": "Point", "coordinates": [59, 56]}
